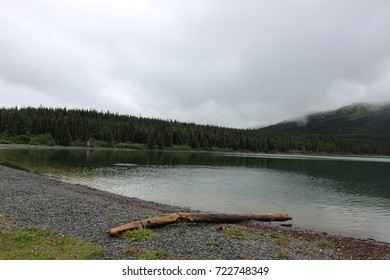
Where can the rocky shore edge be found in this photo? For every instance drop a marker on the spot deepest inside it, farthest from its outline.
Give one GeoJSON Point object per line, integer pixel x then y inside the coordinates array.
{"type": "Point", "coordinates": [83, 212]}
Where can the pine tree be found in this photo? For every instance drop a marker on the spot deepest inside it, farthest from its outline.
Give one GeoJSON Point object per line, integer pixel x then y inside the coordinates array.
{"type": "Point", "coordinates": [63, 137]}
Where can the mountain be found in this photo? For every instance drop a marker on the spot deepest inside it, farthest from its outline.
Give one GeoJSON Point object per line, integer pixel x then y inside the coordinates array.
{"type": "Point", "coordinates": [359, 123]}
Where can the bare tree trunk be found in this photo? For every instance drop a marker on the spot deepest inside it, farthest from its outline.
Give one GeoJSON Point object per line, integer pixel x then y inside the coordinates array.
{"type": "Point", "coordinates": [203, 217]}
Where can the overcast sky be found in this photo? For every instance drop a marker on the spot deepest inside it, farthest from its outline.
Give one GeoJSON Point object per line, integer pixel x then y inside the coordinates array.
{"type": "Point", "coordinates": [231, 63]}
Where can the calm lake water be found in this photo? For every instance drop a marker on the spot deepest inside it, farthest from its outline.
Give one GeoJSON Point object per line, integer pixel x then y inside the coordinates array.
{"type": "Point", "coordinates": [343, 195]}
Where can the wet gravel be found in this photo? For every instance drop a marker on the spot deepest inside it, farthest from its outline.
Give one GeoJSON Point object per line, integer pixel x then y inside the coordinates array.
{"type": "Point", "coordinates": [86, 213]}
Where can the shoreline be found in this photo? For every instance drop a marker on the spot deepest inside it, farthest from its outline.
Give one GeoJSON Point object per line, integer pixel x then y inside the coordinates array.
{"type": "Point", "coordinates": [308, 223]}
{"type": "Point", "coordinates": [290, 153]}
{"type": "Point", "coordinates": [86, 213]}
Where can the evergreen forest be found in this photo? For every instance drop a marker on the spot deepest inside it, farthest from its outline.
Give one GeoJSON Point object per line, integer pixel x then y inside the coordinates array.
{"type": "Point", "coordinates": [80, 127]}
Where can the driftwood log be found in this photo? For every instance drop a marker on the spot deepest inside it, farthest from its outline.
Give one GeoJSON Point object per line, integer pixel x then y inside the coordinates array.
{"type": "Point", "coordinates": [203, 217]}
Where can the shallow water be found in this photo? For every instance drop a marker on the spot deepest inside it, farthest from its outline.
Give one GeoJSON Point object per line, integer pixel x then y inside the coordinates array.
{"type": "Point", "coordinates": [345, 195]}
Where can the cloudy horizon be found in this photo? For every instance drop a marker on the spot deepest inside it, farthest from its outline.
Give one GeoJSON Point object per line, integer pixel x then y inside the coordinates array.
{"type": "Point", "coordinates": [209, 62]}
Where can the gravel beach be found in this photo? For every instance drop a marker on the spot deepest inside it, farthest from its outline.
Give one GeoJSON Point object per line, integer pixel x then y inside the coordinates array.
{"type": "Point", "coordinates": [86, 213]}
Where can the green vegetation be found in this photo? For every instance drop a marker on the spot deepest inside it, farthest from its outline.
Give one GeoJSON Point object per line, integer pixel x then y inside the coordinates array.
{"type": "Point", "coordinates": [212, 242]}
{"type": "Point", "coordinates": [325, 243]}
{"type": "Point", "coordinates": [47, 126]}
{"type": "Point", "coordinates": [283, 241]}
{"type": "Point", "coordinates": [181, 148]}
{"type": "Point", "coordinates": [181, 227]}
{"type": "Point", "coordinates": [272, 234]}
{"type": "Point", "coordinates": [157, 254]}
{"type": "Point", "coordinates": [356, 129]}
{"type": "Point", "coordinates": [32, 243]}
{"type": "Point", "coordinates": [133, 146]}
{"type": "Point", "coordinates": [280, 239]}
{"type": "Point", "coordinates": [141, 234]}
{"type": "Point", "coordinates": [41, 139]}
{"type": "Point", "coordinates": [235, 233]}
{"type": "Point", "coordinates": [129, 251]}
{"type": "Point", "coordinates": [283, 255]}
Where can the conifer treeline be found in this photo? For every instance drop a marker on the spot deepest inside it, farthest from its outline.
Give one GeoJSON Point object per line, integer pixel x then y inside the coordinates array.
{"type": "Point", "coordinates": [65, 127]}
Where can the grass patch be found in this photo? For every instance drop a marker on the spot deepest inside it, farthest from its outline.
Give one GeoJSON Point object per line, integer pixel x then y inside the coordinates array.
{"type": "Point", "coordinates": [272, 234]}
{"type": "Point", "coordinates": [279, 238]}
{"type": "Point", "coordinates": [181, 227]}
{"type": "Point", "coordinates": [283, 255]}
{"type": "Point", "coordinates": [283, 241]}
{"type": "Point", "coordinates": [212, 243]}
{"type": "Point", "coordinates": [141, 234]}
{"type": "Point", "coordinates": [129, 251]}
{"type": "Point", "coordinates": [26, 219]}
{"type": "Point", "coordinates": [157, 254]}
{"type": "Point", "coordinates": [325, 243]}
{"type": "Point", "coordinates": [235, 233]}
{"type": "Point", "coordinates": [249, 257]}
{"type": "Point", "coordinates": [32, 243]}
{"type": "Point", "coordinates": [208, 226]}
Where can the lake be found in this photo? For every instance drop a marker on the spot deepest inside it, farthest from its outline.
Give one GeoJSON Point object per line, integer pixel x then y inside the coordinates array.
{"type": "Point", "coordinates": [336, 194]}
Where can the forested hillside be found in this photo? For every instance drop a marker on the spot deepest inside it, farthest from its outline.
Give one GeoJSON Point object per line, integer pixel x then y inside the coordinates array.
{"type": "Point", "coordinates": [61, 126]}
{"type": "Point", "coordinates": [355, 124]}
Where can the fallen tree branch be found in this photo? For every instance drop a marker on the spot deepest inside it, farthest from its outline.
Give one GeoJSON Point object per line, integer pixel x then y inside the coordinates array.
{"type": "Point", "coordinates": [203, 217]}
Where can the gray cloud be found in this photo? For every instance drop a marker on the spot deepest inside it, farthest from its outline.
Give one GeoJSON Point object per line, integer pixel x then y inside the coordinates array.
{"type": "Point", "coordinates": [219, 62]}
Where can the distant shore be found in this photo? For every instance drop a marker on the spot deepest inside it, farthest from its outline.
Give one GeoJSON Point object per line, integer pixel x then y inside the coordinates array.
{"type": "Point", "coordinates": [43, 147]}
{"type": "Point", "coordinates": [292, 153]}
{"type": "Point", "coordinates": [86, 213]}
